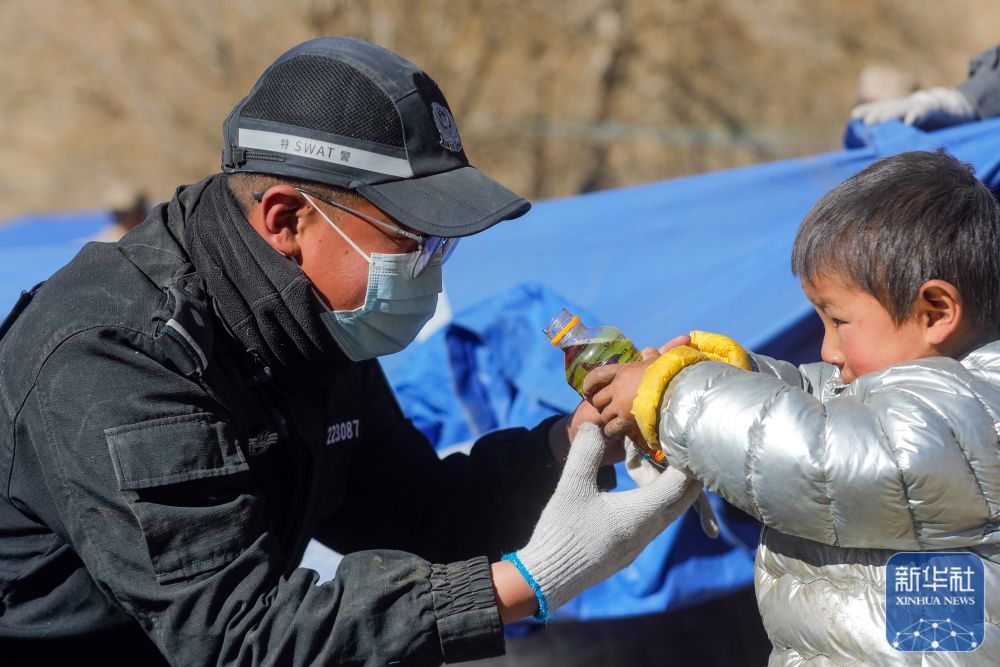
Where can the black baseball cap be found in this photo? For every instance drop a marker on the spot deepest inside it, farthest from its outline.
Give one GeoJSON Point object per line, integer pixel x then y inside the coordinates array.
{"type": "Point", "coordinates": [345, 112]}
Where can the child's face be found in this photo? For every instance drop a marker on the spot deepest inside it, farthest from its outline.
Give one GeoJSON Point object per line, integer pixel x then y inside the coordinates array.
{"type": "Point", "coordinates": [860, 335]}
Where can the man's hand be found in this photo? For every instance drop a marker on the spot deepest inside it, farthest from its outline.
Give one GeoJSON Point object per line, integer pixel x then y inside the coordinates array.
{"type": "Point", "coordinates": [585, 413]}
{"type": "Point", "coordinates": [564, 431]}
{"type": "Point", "coordinates": [585, 535]}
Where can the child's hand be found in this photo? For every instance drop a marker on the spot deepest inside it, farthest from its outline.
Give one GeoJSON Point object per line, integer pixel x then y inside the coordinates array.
{"type": "Point", "coordinates": [615, 402]}
{"type": "Point", "coordinates": [611, 389]}
{"type": "Point", "coordinates": [676, 341]}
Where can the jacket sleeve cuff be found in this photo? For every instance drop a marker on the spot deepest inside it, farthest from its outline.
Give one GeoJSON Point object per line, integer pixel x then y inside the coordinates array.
{"type": "Point", "coordinates": [468, 620]}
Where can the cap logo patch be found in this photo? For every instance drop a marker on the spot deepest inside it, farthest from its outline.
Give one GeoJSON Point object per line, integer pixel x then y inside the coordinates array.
{"type": "Point", "coordinates": [446, 127]}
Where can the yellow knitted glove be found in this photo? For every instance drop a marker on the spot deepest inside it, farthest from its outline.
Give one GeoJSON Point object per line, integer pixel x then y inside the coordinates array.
{"type": "Point", "coordinates": [704, 347]}
{"type": "Point", "coordinates": [720, 348]}
{"type": "Point", "coordinates": [647, 399]}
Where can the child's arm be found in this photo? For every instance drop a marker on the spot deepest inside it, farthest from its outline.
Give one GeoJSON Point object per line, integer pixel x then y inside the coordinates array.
{"type": "Point", "coordinates": [809, 377]}
{"type": "Point", "coordinates": [904, 459]}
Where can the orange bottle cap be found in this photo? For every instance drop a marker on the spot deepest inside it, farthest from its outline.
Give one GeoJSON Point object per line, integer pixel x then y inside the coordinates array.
{"type": "Point", "coordinates": [562, 332]}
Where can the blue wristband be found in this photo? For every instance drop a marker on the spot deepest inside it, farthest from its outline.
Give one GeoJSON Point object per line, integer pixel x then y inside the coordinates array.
{"type": "Point", "coordinates": [649, 458]}
{"type": "Point", "coordinates": [543, 604]}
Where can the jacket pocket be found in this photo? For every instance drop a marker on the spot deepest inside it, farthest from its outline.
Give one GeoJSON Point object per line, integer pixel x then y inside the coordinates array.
{"type": "Point", "coordinates": [188, 484]}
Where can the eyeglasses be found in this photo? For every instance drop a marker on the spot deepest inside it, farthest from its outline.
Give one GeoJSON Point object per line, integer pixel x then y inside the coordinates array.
{"type": "Point", "coordinates": [427, 246]}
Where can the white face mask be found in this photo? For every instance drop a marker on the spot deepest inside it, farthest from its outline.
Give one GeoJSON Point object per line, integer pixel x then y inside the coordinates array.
{"type": "Point", "coordinates": [396, 306]}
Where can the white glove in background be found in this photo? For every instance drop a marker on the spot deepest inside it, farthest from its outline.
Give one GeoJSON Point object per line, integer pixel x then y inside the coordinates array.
{"type": "Point", "coordinates": [643, 471]}
{"type": "Point", "coordinates": [585, 535]}
{"type": "Point", "coordinates": [927, 109]}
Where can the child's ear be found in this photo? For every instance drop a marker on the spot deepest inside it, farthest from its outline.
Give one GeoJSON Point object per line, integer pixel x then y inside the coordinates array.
{"type": "Point", "coordinates": [939, 309]}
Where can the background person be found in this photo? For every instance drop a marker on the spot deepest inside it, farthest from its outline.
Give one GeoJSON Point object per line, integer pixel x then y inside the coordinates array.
{"type": "Point", "coordinates": [128, 208]}
{"type": "Point", "coordinates": [976, 98]}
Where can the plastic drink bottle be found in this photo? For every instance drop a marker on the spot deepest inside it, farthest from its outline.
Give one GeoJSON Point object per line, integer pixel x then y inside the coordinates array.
{"type": "Point", "coordinates": [588, 348]}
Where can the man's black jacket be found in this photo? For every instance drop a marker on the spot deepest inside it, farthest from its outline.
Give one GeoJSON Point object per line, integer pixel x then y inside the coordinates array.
{"type": "Point", "coordinates": [151, 476]}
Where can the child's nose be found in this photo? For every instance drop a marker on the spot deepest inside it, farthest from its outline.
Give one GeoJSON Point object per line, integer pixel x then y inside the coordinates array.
{"type": "Point", "coordinates": [831, 352]}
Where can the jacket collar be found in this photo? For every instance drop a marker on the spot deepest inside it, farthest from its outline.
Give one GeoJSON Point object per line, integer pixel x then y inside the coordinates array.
{"type": "Point", "coordinates": [260, 300]}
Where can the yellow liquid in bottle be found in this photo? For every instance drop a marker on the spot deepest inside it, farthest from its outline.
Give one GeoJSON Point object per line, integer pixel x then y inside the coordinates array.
{"type": "Point", "coordinates": [608, 346]}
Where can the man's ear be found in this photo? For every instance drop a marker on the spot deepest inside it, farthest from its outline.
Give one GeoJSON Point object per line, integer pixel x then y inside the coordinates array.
{"type": "Point", "coordinates": [939, 309]}
{"type": "Point", "coordinates": [277, 216]}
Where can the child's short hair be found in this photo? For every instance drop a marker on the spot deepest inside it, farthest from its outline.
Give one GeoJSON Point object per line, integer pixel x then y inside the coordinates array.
{"type": "Point", "coordinates": [902, 221]}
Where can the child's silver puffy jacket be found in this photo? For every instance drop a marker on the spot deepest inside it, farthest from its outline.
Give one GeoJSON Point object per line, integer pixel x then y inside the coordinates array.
{"type": "Point", "coordinates": [905, 459]}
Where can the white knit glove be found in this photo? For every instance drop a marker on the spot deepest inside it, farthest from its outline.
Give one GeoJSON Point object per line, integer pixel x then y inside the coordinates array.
{"type": "Point", "coordinates": [585, 535]}
{"type": "Point", "coordinates": [927, 109]}
{"type": "Point", "coordinates": [639, 466]}
{"type": "Point", "coordinates": [643, 471]}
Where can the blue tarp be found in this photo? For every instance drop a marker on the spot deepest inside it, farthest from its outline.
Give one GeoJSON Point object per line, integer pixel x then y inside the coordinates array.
{"type": "Point", "coordinates": [32, 247]}
{"type": "Point", "coordinates": [708, 252]}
